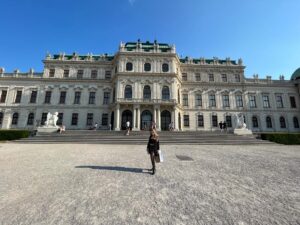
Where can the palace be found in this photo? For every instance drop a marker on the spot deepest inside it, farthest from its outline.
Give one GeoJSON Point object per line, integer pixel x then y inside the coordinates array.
{"type": "Point", "coordinates": [144, 82]}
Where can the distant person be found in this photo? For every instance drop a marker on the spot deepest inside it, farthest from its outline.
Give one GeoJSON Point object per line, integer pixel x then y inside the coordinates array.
{"type": "Point", "coordinates": [127, 127]}
{"type": "Point", "coordinates": [224, 126]}
{"type": "Point", "coordinates": [221, 126]}
{"type": "Point", "coordinates": [95, 126]}
{"type": "Point", "coordinates": [62, 129]}
{"type": "Point", "coordinates": [152, 148]}
{"type": "Point", "coordinates": [110, 126]}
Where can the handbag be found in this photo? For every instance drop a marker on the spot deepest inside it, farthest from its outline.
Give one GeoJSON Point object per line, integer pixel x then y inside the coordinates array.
{"type": "Point", "coordinates": [159, 158]}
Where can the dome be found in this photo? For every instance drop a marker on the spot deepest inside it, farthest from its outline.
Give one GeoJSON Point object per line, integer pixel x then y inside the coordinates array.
{"type": "Point", "coordinates": [296, 75]}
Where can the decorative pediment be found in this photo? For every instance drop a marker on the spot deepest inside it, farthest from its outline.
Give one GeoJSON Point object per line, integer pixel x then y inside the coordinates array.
{"type": "Point", "coordinates": [78, 87]}
{"type": "Point", "coordinates": [92, 87]}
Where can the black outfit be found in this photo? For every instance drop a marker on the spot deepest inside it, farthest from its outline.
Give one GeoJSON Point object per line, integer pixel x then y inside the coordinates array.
{"type": "Point", "coordinates": [152, 148]}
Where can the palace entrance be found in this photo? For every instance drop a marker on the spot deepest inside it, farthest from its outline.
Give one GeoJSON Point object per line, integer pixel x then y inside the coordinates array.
{"type": "Point", "coordinates": [165, 120]}
{"type": "Point", "coordinates": [146, 120]}
{"type": "Point", "coordinates": [126, 116]}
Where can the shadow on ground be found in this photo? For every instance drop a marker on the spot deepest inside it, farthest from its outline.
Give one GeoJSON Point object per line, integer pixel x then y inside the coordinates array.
{"type": "Point", "coordinates": [115, 168]}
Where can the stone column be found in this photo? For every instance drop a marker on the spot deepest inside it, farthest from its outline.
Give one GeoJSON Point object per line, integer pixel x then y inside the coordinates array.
{"type": "Point", "coordinates": [176, 119]}
{"type": "Point", "coordinates": [154, 115]}
{"type": "Point", "coordinates": [138, 118]}
{"type": "Point", "coordinates": [117, 117]}
{"type": "Point", "coordinates": [134, 118]}
{"type": "Point", "coordinates": [158, 119]}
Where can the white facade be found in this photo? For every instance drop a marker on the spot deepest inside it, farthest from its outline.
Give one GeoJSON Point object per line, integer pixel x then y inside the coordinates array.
{"type": "Point", "coordinates": [146, 82]}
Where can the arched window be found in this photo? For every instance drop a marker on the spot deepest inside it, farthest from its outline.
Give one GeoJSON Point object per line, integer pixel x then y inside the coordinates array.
{"type": "Point", "coordinates": [1, 117]}
{"type": "Point", "coordinates": [282, 122]}
{"type": "Point", "coordinates": [147, 67]}
{"type": "Point", "coordinates": [296, 122]}
{"type": "Point", "coordinates": [165, 93]}
{"type": "Point", "coordinates": [15, 119]}
{"type": "Point", "coordinates": [269, 122]}
{"type": "Point", "coordinates": [129, 66]}
{"type": "Point", "coordinates": [128, 91]}
{"type": "Point", "coordinates": [147, 92]}
{"type": "Point", "coordinates": [30, 119]}
{"type": "Point", "coordinates": [254, 121]}
{"type": "Point", "coordinates": [165, 67]}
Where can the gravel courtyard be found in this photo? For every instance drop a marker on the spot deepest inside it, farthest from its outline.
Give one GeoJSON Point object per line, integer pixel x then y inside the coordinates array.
{"type": "Point", "coordinates": [110, 184]}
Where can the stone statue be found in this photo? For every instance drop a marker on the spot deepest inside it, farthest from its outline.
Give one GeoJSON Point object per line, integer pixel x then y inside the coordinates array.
{"type": "Point", "coordinates": [51, 120]}
{"type": "Point", "coordinates": [240, 121]}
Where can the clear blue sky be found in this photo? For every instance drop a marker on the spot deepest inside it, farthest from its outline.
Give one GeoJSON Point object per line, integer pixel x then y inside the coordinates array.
{"type": "Point", "coordinates": [264, 33]}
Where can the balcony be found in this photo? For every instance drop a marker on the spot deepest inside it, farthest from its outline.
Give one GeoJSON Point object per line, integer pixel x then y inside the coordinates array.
{"type": "Point", "coordinates": [146, 101]}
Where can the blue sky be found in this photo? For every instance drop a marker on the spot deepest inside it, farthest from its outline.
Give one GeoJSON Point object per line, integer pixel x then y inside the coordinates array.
{"type": "Point", "coordinates": [264, 33]}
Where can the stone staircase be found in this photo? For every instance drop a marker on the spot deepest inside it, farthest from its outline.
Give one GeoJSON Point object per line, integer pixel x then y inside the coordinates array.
{"type": "Point", "coordinates": [141, 138]}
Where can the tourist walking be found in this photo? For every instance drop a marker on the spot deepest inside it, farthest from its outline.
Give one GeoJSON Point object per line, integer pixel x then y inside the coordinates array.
{"type": "Point", "coordinates": [221, 126]}
{"type": "Point", "coordinates": [224, 126]}
{"type": "Point", "coordinates": [152, 148]}
{"type": "Point", "coordinates": [127, 127]}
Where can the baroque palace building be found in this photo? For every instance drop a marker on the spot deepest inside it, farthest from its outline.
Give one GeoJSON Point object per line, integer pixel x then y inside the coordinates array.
{"type": "Point", "coordinates": [145, 82]}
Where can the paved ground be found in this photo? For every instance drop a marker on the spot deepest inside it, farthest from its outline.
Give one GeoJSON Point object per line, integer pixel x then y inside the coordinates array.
{"type": "Point", "coordinates": [105, 184]}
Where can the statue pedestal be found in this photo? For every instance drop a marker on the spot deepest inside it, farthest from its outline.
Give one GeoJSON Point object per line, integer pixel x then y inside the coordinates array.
{"type": "Point", "coordinates": [47, 129]}
{"type": "Point", "coordinates": [242, 131]}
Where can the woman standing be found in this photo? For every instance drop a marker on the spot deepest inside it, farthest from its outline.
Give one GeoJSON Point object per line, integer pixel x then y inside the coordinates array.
{"type": "Point", "coordinates": [153, 147]}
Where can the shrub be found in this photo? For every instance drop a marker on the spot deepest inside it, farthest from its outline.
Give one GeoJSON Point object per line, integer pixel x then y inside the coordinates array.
{"type": "Point", "coordinates": [282, 138]}
{"type": "Point", "coordinates": [13, 134]}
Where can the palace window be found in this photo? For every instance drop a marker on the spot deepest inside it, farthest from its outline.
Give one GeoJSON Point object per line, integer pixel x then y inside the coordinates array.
{"type": "Point", "coordinates": [15, 119]}
{"type": "Point", "coordinates": [296, 122]}
{"type": "Point", "coordinates": [44, 118]}
{"type": "Point", "coordinates": [30, 119]}
{"type": "Point", "coordinates": [198, 100]}
{"type": "Point", "coordinates": [129, 66]}
{"type": "Point", "coordinates": [186, 120]}
{"type": "Point", "coordinates": [228, 121]}
{"type": "Point", "coordinates": [266, 102]}
{"type": "Point", "coordinates": [60, 119]}
{"type": "Point", "coordinates": [128, 92]}
{"type": "Point", "coordinates": [74, 121]}
{"type": "Point", "coordinates": [212, 100]}
{"type": "Point", "coordinates": [33, 97]}
{"type": "Point", "coordinates": [79, 74]}
{"type": "Point", "coordinates": [62, 98]}
{"type": "Point", "coordinates": [165, 67]}
{"type": "Point", "coordinates": [77, 97]}
{"type": "Point", "coordinates": [214, 119]}
{"type": "Point", "coordinates": [269, 122]}
{"type": "Point", "coordinates": [92, 97]}
{"type": "Point", "coordinates": [106, 98]}
{"type": "Point", "coordinates": [94, 74]}
{"type": "Point", "coordinates": [107, 74]}
{"type": "Point", "coordinates": [200, 121]}
{"type": "Point", "coordinates": [147, 92]}
{"type": "Point", "coordinates": [197, 77]}
{"type": "Point", "coordinates": [225, 100]}
{"type": "Point", "coordinates": [1, 118]}
{"type": "Point", "coordinates": [48, 97]}
{"type": "Point", "coordinates": [254, 122]}
{"type": "Point", "coordinates": [18, 97]}
{"type": "Point", "coordinates": [252, 101]}
{"type": "Point", "coordinates": [279, 101]}
{"type": "Point", "coordinates": [165, 93]}
{"type": "Point", "coordinates": [185, 98]}
{"type": "Point", "coordinates": [239, 100]}
{"type": "Point", "coordinates": [51, 72]}
{"type": "Point", "coordinates": [184, 76]}
{"type": "Point", "coordinates": [104, 119]}
{"type": "Point", "coordinates": [293, 102]}
{"type": "Point", "coordinates": [224, 77]}
{"type": "Point", "coordinates": [237, 78]}
{"type": "Point", "coordinates": [89, 119]}
{"type": "Point", "coordinates": [282, 122]}
{"type": "Point", "coordinates": [66, 73]}
{"type": "Point", "coordinates": [147, 67]}
{"type": "Point", "coordinates": [211, 77]}
{"type": "Point", "coordinates": [3, 96]}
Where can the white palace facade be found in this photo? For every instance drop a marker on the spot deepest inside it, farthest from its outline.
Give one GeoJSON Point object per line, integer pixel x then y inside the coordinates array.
{"type": "Point", "coordinates": [145, 82]}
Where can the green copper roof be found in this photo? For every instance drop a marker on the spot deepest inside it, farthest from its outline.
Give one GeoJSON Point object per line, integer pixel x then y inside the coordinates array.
{"type": "Point", "coordinates": [207, 61]}
{"type": "Point", "coordinates": [296, 74]}
{"type": "Point", "coordinates": [146, 45]}
{"type": "Point", "coordinates": [83, 57]}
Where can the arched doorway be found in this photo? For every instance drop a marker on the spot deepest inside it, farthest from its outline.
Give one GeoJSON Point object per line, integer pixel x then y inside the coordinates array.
{"type": "Point", "coordinates": [146, 120]}
{"type": "Point", "coordinates": [126, 116]}
{"type": "Point", "coordinates": [165, 120]}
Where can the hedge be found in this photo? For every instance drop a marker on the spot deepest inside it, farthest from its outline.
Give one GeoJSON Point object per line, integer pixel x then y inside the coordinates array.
{"type": "Point", "coordinates": [282, 138]}
{"type": "Point", "coordinates": [13, 134]}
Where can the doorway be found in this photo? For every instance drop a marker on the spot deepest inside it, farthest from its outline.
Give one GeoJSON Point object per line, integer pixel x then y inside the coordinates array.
{"type": "Point", "coordinates": [126, 116]}
{"type": "Point", "coordinates": [165, 120]}
{"type": "Point", "coordinates": [146, 120]}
